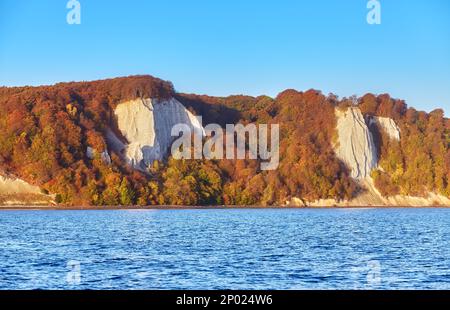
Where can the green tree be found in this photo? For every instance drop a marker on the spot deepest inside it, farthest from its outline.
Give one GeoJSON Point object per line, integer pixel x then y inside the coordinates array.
{"type": "Point", "coordinates": [127, 193]}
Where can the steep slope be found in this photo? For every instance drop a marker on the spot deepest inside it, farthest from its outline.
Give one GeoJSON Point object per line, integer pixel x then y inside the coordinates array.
{"type": "Point", "coordinates": [15, 191]}
{"type": "Point", "coordinates": [16, 186]}
{"type": "Point", "coordinates": [91, 143]}
{"type": "Point", "coordinates": [356, 147]}
{"type": "Point", "coordinates": [147, 125]}
{"type": "Point", "coordinates": [54, 137]}
{"type": "Point", "coordinates": [389, 126]}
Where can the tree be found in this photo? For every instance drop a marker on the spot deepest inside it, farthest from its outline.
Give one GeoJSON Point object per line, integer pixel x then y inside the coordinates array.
{"type": "Point", "coordinates": [192, 182]}
{"type": "Point", "coordinates": [149, 194]}
{"type": "Point", "coordinates": [127, 194]}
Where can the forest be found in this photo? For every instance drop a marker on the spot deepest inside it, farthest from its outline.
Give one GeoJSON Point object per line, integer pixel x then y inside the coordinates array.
{"type": "Point", "coordinates": [45, 131]}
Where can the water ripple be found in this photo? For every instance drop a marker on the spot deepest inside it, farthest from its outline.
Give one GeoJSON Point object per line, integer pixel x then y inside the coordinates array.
{"type": "Point", "coordinates": [226, 249]}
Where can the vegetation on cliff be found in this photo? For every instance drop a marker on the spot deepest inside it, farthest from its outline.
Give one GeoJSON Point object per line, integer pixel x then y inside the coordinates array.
{"type": "Point", "coordinates": [420, 162]}
{"type": "Point", "coordinates": [45, 132]}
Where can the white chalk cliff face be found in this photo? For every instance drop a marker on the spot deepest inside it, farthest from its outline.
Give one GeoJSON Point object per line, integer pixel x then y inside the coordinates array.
{"type": "Point", "coordinates": [147, 126]}
{"type": "Point", "coordinates": [357, 150]}
{"type": "Point", "coordinates": [14, 191]}
{"type": "Point", "coordinates": [389, 126]}
{"type": "Point", "coordinates": [16, 186]}
{"type": "Point", "coordinates": [356, 146]}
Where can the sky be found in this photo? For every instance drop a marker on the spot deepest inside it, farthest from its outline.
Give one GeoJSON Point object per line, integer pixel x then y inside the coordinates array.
{"type": "Point", "coordinates": [235, 46]}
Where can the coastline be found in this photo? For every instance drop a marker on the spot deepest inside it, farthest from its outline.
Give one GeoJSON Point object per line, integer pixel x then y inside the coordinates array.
{"type": "Point", "coordinates": [156, 208]}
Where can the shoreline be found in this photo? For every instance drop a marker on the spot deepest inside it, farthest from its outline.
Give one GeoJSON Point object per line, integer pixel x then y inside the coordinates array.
{"type": "Point", "coordinates": [156, 208]}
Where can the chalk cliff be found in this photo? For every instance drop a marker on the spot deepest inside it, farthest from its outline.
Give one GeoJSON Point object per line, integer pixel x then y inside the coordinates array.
{"type": "Point", "coordinates": [14, 191]}
{"type": "Point", "coordinates": [146, 124]}
{"type": "Point", "coordinates": [389, 126]}
{"type": "Point", "coordinates": [78, 141]}
{"type": "Point", "coordinates": [10, 185]}
{"type": "Point", "coordinates": [356, 147]}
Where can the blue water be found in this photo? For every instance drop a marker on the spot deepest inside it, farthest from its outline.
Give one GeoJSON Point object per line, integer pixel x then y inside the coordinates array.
{"type": "Point", "coordinates": [226, 249]}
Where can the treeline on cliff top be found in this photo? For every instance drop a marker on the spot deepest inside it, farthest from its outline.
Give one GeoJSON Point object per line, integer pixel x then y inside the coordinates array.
{"type": "Point", "coordinates": [45, 131]}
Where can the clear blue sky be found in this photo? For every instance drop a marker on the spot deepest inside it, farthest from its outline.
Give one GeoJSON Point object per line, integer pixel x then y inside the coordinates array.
{"type": "Point", "coordinates": [231, 47]}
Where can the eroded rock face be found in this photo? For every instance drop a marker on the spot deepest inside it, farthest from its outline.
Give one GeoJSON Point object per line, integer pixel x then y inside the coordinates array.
{"type": "Point", "coordinates": [16, 186]}
{"type": "Point", "coordinates": [389, 126]}
{"type": "Point", "coordinates": [90, 153]}
{"type": "Point", "coordinates": [356, 146]}
{"type": "Point", "coordinates": [147, 126]}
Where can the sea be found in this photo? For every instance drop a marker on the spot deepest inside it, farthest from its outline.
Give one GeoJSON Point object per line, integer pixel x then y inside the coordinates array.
{"type": "Point", "coordinates": [250, 249]}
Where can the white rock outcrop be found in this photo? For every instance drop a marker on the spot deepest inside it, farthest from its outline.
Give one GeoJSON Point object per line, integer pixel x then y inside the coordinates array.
{"type": "Point", "coordinates": [389, 126]}
{"type": "Point", "coordinates": [147, 126]}
{"type": "Point", "coordinates": [371, 197]}
{"type": "Point", "coordinates": [17, 192]}
{"type": "Point", "coordinates": [11, 186]}
{"type": "Point", "coordinates": [356, 146]}
{"type": "Point", "coordinates": [90, 153]}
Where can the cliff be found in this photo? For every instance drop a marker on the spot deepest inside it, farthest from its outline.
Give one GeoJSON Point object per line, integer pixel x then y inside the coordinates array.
{"type": "Point", "coordinates": [93, 143]}
{"type": "Point", "coordinates": [389, 126]}
{"type": "Point", "coordinates": [356, 147]}
{"type": "Point", "coordinates": [147, 125]}
{"type": "Point", "coordinates": [15, 191]}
